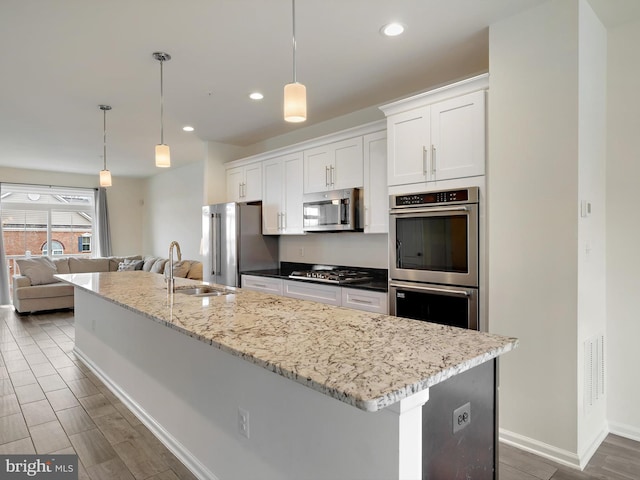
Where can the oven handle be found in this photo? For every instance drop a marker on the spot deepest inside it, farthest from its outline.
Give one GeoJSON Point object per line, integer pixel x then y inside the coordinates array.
{"type": "Point", "coordinates": [409, 211]}
{"type": "Point", "coordinates": [445, 291]}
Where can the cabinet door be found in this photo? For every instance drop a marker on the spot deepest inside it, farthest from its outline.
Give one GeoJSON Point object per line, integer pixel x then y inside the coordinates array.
{"type": "Point", "coordinates": [317, 163]}
{"type": "Point", "coordinates": [376, 198]}
{"type": "Point", "coordinates": [312, 291]}
{"type": "Point", "coordinates": [365, 300]}
{"type": "Point", "coordinates": [272, 196]}
{"type": "Point", "coordinates": [262, 284]}
{"type": "Point", "coordinates": [252, 189]}
{"type": "Point", "coordinates": [292, 194]}
{"type": "Point", "coordinates": [235, 178]}
{"type": "Point", "coordinates": [409, 146]}
{"type": "Point", "coordinates": [458, 137]}
{"type": "Point", "coordinates": [347, 171]}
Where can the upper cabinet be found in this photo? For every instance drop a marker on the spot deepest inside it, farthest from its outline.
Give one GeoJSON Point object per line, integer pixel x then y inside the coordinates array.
{"type": "Point", "coordinates": [244, 183]}
{"type": "Point", "coordinates": [282, 195]}
{"type": "Point", "coordinates": [376, 199]}
{"type": "Point", "coordinates": [438, 135]}
{"type": "Point", "coordinates": [334, 166]}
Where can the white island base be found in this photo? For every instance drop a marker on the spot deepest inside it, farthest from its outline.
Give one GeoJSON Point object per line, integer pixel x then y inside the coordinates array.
{"type": "Point", "coordinates": [189, 393]}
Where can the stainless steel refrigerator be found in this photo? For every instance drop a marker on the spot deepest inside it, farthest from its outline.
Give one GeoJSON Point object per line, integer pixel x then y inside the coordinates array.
{"type": "Point", "coordinates": [233, 242]}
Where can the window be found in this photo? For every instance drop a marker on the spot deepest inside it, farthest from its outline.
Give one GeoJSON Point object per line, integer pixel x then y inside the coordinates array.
{"type": "Point", "coordinates": [56, 248]}
{"type": "Point", "coordinates": [44, 220]}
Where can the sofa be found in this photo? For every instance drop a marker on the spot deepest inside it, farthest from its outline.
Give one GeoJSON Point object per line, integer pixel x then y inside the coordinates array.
{"type": "Point", "coordinates": [36, 289]}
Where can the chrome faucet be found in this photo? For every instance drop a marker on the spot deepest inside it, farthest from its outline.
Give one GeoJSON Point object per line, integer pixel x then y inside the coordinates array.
{"type": "Point", "coordinates": [170, 280]}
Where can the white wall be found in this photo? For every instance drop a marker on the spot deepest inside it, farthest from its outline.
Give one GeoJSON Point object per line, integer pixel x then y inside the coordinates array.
{"type": "Point", "coordinates": [623, 230]}
{"type": "Point", "coordinates": [173, 209]}
{"type": "Point", "coordinates": [532, 192]}
{"type": "Point", "coordinates": [123, 198]}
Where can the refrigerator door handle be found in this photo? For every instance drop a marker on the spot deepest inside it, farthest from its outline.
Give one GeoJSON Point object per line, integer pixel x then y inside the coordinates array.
{"type": "Point", "coordinates": [215, 243]}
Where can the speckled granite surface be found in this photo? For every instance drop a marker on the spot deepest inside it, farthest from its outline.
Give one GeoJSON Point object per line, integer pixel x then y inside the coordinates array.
{"type": "Point", "coordinates": [367, 360]}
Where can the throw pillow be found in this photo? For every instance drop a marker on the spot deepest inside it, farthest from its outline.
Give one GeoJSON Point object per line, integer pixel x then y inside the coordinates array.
{"type": "Point", "coordinates": [158, 266]}
{"type": "Point", "coordinates": [180, 269]}
{"type": "Point", "coordinates": [131, 265]}
{"type": "Point", "coordinates": [148, 263]}
{"type": "Point", "coordinates": [40, 270]}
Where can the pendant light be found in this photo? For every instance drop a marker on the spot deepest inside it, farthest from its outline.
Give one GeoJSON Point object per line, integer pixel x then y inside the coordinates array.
{"type": "Point", "coordinates": [105, 175]}
{"type": "Point", "coordinates": [295, 94]}
{"type": "Point", "coordinates": [163, 155]}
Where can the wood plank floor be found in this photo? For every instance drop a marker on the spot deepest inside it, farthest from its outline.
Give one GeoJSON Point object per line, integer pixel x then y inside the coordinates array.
{"type": "Point", "coordinates": [51, 403]}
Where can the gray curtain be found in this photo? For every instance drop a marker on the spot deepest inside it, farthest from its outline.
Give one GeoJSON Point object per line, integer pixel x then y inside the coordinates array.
{"type": "Point", "coordinates": [102, 224]}
{"type": "Point", "coordinates": [4, 275]}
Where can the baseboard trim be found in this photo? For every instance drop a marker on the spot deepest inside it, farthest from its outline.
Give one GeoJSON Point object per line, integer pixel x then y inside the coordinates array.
{"type": "Point", "coordinates": [585, 456]}
{"type": "Point", "coordinates": [624, 430]}
{"type": "Point", "coordinates": [558, 455]}
{"type": "Point", "coordinates": [168, 440]}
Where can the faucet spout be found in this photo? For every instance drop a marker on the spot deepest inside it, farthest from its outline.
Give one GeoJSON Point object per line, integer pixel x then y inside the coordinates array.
{"type": "Point", "coordinates": [171, 282]}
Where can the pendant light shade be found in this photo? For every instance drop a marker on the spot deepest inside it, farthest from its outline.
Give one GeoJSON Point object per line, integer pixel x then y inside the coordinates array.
{"type": "Point", "coordinates": [163, 154]}
{"type": "Point", "coordinates": [105, 178]}
{"type": "Point", "coordinates": [295, 94]}
{"type": "Point", "coordinates": [295, 102]}
{"type": "Point", "coordinates": [105, 175]}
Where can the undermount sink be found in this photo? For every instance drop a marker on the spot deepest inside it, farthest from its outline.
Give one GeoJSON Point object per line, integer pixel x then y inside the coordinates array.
{"type": "Point", "coordinates": [204, 291]}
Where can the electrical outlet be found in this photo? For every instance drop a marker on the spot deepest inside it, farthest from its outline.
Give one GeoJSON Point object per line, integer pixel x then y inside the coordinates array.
{"type": "Point", "coordinates": [243, 422]}
{"type": "Point", "coordinates": [461, 417]}
{"type": "Point", "coordinates": [301, 251]}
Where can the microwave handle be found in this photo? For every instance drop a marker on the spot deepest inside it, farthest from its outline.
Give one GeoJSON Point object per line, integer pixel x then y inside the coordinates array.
{"type": "Point", "coordinates": [409, 211]}
{"type": "Point", "coordinates": [446, 291]}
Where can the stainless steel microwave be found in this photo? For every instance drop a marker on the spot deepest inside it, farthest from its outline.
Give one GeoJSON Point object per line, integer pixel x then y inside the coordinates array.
{"type": "Point", "coordinates": [333, 211]}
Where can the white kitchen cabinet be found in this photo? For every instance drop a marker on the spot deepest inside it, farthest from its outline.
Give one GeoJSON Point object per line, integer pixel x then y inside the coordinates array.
{"type": "Point", "coordinates": [334, 166]}
{"type": "Point", "coordinates": [262, 284]}
{"type": "Point", "coordinates": [376, 199]}
{"type": "Point", "coordinates": [438, 135]}
{"type": "Point", "coordinates": [375, 302]}
{"type": "Point", "coordinates": [458, 137]}
{"type": "Point", "coordinates": [409, 136]}
{"type": "Point", "coordinates": [315, 292]}
{"type": "Point", "coordinates": [244, 183]}
{"type": "Point", "coordinates": [282, 195]}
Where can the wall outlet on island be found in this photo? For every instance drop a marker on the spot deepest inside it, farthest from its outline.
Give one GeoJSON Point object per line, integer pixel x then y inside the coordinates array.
{"type": "Point", "coordinates": [461, 417]}
{"type": "Point", "coordinates": [243, 422]}
{"type": "Point", "coordinates": [301, 251]}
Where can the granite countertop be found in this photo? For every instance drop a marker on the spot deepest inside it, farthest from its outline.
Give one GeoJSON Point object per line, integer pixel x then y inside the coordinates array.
{"type": "Point", "coordinates": [367, 360]}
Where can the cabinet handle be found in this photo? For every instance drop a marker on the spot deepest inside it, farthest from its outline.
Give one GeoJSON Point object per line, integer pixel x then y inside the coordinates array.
{"type": "Point", "coordinates": [357, 300]}
{"type": "Point", "coordinates": [424, 160]}
{"type": "Point", "coordinates": [326, 175]}
{"type": "Point", "coordinates": [332, 176]}
{"type": "Point", "coordinates": [279, 221]}
{"type": "Point", "coordinates": [284, 221]}
{"type": "Point", "coordinates": [240, 190]}
{"type": "Point", "coordinates": [433, 160]}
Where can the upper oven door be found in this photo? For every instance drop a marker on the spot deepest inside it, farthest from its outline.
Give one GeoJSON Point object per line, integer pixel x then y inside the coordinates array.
{"type": "Point", "coordinates": [435, 244]}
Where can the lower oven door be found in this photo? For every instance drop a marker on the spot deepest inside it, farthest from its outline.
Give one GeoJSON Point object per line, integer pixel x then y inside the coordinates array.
{"type": "Point", "coordinates": [444, 304]}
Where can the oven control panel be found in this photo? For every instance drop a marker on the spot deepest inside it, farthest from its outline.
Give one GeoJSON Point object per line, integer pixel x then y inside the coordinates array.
{"type": "Point", "coordinates": [464, 195]}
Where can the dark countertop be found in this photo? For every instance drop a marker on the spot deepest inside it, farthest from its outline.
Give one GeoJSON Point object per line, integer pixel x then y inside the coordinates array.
{"type": "Point", "coordinates": [377, 284]}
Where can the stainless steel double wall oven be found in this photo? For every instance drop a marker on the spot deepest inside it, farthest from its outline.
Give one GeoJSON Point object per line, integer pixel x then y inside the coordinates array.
{"type": "Point", "coordinates": [434, 249]}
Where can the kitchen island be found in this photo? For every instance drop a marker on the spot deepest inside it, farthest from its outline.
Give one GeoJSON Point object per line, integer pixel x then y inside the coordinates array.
{"type": "Point", "coordinates": [249, 385]}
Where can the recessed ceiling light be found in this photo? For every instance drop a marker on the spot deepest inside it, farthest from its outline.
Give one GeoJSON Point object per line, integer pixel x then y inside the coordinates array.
{"type": "Point", "coordinates": [256, 96]}
{"type": "Point", "coordinates": [188, 128]}
{"type": "Point", "coordinates": [392, 29]}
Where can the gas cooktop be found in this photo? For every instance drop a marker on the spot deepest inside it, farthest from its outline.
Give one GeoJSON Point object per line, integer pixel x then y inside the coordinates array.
{"type": "Point", "coordinates": [337, 276]}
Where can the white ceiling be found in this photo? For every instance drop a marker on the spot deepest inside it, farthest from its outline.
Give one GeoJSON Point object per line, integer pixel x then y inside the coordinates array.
{"type": "Point", "coordinates": [62, 58]}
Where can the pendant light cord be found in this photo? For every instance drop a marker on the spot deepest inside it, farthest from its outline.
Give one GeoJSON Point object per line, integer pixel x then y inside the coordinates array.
{"type": "Point", "coordinates": [161, 104]}
{"type": "Point", "coordinates": [104, 130]}
{"type": "Point", "coordinates": [293, 14]}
